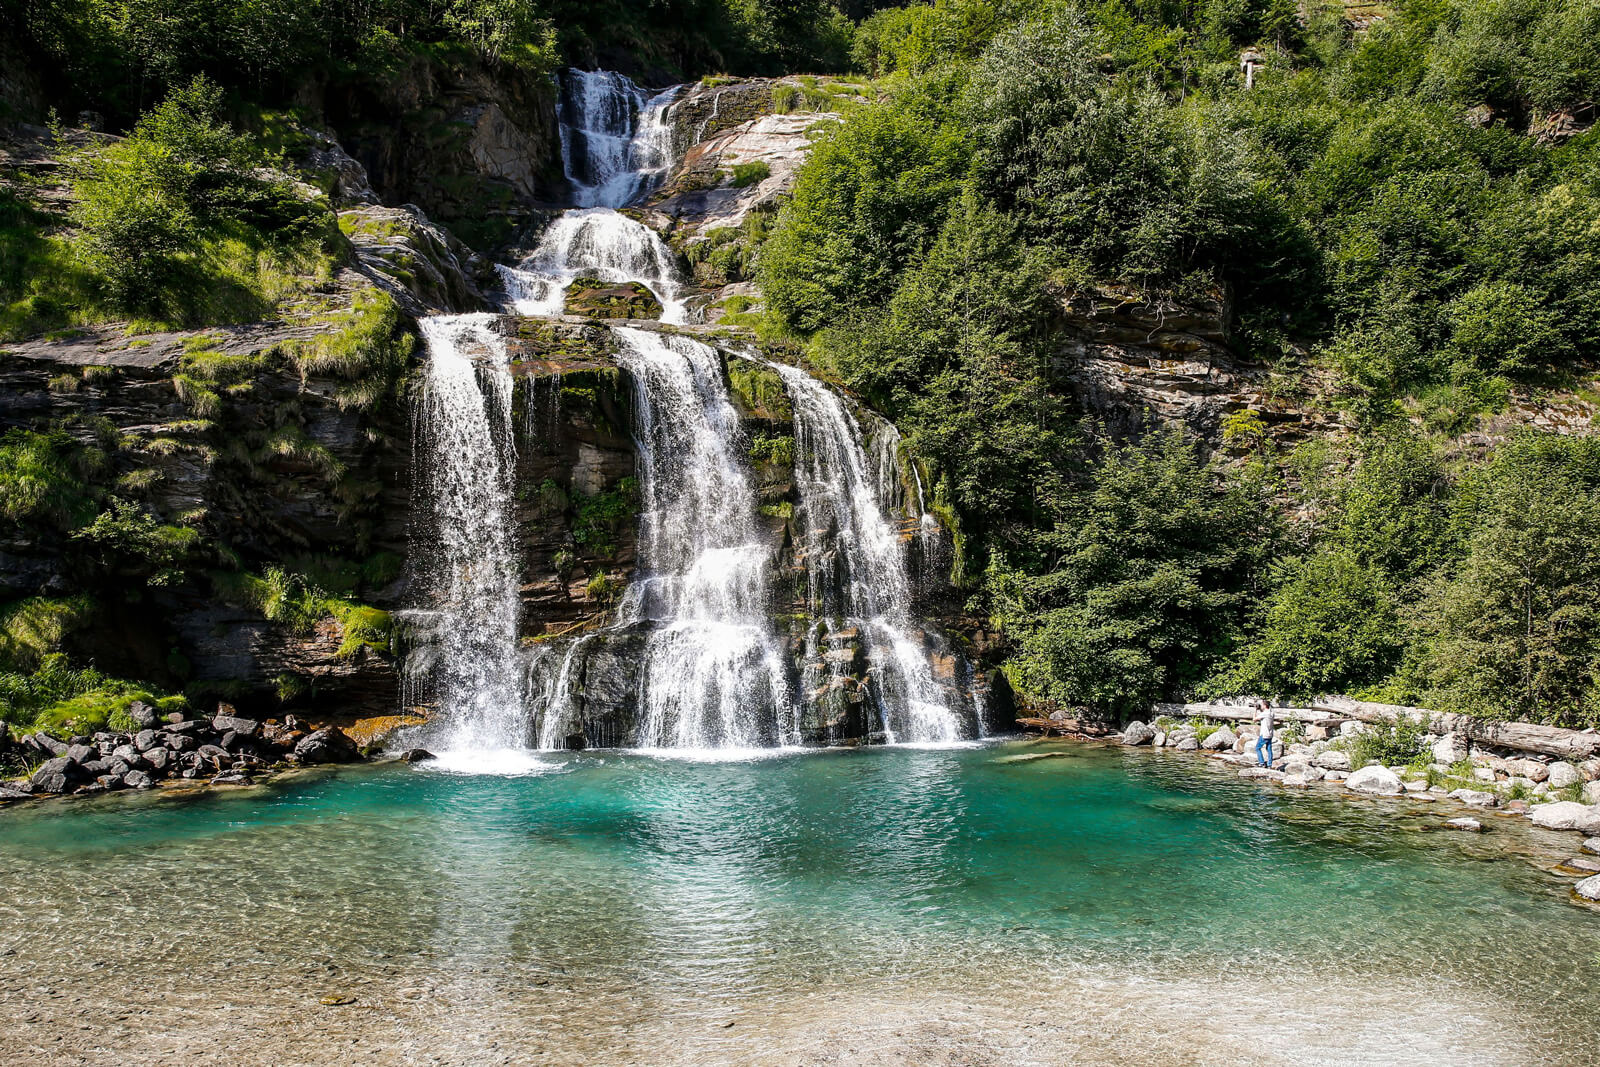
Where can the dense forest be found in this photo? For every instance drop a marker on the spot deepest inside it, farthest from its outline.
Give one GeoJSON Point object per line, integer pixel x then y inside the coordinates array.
{"type": "Point", "coordinates": [1401, 220]}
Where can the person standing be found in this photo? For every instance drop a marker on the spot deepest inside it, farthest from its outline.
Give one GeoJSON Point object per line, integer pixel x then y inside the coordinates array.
{"type": "Point", "coordinates": [1265, 722]}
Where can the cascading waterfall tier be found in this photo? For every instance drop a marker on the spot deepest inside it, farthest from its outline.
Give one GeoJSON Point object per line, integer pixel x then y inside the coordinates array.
{"type": "Point", "coordinates": [713, 673]}
{"type": "Point", "coordinates": [855, 568]}
{"type": "Point", "coordinates": [594, 243]}
{"type": "Point", "coordinates": [464, 462]}
{"type": "Point", "coordinates": [616, 138]}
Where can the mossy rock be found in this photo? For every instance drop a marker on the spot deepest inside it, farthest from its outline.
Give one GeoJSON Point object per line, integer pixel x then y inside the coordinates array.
{"type": "Point", "coordinates": [595, 299]}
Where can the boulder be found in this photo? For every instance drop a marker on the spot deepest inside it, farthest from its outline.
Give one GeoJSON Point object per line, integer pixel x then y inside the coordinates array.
{"type": "Point", "coordinates": [1418, 785]}
{"type": "Point", "coordinates": [1350, 728]}
{"type": "Point", "coordinates": [138, 780]}
{"type": "Point", "coordinates": [186, 726]}
{"type": "Point", "coordinates": [1472, 826]}
{"type": "Point", "coordinates": [1530, 769]}
{"type": "Point", "coordinates": [1567, 815]}
{"type": "Point", "coordinates": [1591, 845]}
{"type": "Point", "coordinates": [127, 754]}
{"type": "Point", "coordinates": [235, 778]}
{"type": "Point", "coordinates": [223, 724]}
{"type": "Point", "coordinates": [1220, 740]}
{"type": "Point", "coordinates": [1262, 772]}
{"type": "Point", "coordinates": [1474, 798]}
{"type": "Point", "coordinates": [1563, 774]}
{"type": "Point", "coordinates": [81, 753]}
{"type": "Point", "coordinates": [1591, 793]}
{"type": "Point", "coordinates": [12, 793]}
{"type": "Point", "coordinates": [1375, 780]}
{"type": "Point", "coordinates": [57, 775]}
{"type": "Point", "coordinates": [1589, 888]}
{"type": "Point", "coordinates": [1188, 744]}
{"type": "Point", "coordinates": [111, 782]}
{"type": "Point", "coordinates": [159, 759]}
{"type": "Point", "coordinates": [43, 742]}
{"type": "Point", "coordinates": [1160, 739]}
{"type": "Point", "coordinates": [1316, 733]}
{"type": "Point", "coordinates": [181, 742]}
{"type": "Point", "coordinates": [1297, 781]}
{"type": "Point", "coordinates": [145, 740]}
{"type": "Point", "coordinates": [143, 714]}
{"type": "Point", "coordinates": [1332, 760]}
{"type": "Point", "coordinates": [417, 755]}
{"type": "Point", "coordinates": [1137, 733]}
{"type": "Point", "coordinates": [328, 745]}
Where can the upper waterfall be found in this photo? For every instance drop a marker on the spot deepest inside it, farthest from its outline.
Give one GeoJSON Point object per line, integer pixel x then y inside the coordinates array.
{"type": "Point", "coordinates": [616, 140]}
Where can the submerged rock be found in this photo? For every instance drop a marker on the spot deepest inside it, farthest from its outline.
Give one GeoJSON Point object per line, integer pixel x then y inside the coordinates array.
{"type": "Point", "coordinates": [1472, 826]}
{"type": "Point", "coordinates": [417, 755]}
{"type": "Point", "coordinates": [1474, 798]}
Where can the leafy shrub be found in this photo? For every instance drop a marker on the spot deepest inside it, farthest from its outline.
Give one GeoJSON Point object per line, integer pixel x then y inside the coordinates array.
{"type": "Point", "coordinates": [46, 478]}
{"type": "Point", "coordinates": [1391, 742]}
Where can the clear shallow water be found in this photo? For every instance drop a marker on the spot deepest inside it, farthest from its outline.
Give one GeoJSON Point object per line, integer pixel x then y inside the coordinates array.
{"type": "Point", "coordinates": [880, 906]}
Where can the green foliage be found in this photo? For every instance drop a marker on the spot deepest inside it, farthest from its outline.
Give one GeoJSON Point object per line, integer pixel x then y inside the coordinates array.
{"type": "Point", "coordinates": [1391, 742]}
{"type": "Point", "coordinates": [1514, 632]}
{"type": "Point", "coordinates": [298, 604]}
{"type": "Point", "coordinates": [67, 700]}
{"type": "Point", "coordinates": [125, 544]}
{"type": "Point", "coordinates": [46, 478]}
{"type": "Point", "coordinates": [1151, 575]}
{"type": "Point", "coordinates": [596, 519]}
{"type": "Point", "coordinates": [777, 451]}
{"type": "Point", "coordinates": [178, 222]}
{"type": "Point", "coordinates": [33, 628]}
{"type": "Point", "coordinates": [366, 350]}
{"type": "Point", "coordinates": [750, 173]}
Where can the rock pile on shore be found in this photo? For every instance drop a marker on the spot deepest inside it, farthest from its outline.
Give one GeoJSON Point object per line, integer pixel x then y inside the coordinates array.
{"type": "Point", "coordinates": [225, 749]}
{"type": "Point", "coordinates": [1554, 794]}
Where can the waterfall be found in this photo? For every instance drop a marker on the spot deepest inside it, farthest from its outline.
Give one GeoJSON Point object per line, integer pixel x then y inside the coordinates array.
{"type": "Point", "coordinates": [616, 138]}
{"type": "Point", "coordinates": [617, 145]}
{"type": "Point", "coordinates": [473, 568]}
{"type": "Point", "coordinates": [594, 243]}
{"type": "Point", "coordinates": [691, 658]}
{"type": "Point", "coordinates": [713, 673]}
{"type": "Point", "coordinates": [855, 568]}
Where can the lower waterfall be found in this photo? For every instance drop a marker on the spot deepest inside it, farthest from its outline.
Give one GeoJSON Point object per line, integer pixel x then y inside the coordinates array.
{"type": "Point", "coordinates": [464, 479]}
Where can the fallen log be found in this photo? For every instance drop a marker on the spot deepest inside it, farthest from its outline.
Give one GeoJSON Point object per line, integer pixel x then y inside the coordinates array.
{"type": "Point", "coordinates": [1063, 727]}
{"type": "Point", "coordinates": [1523, 736]}
{"type": "Point", "coordinates": [1243, 713]}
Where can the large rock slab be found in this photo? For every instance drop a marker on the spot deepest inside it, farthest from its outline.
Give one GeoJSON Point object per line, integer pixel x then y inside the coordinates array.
{"type": "Point", "coordinates": [328, 745]}
{"type": "Point", "coordinates": [1137, 733]}
{"type": "Point", "coordinates": [1589, 888]}
{"type": "Point", "coordinates": [1376, 781]}
{"type": "Point", "coordinates": [1567, 815]}
{"type": "Point", "coordinates": [1562, 774]}
{"type": "Point", "coordinates": [1222, 739]}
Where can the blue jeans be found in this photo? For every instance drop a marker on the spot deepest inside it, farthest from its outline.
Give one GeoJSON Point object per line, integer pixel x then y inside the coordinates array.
{"type": "Point", "coordinates": [1268, 742]}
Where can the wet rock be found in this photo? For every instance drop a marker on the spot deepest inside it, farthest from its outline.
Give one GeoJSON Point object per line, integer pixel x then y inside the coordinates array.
{"type": "Point", "coordinates": [1377, 781]}
{"type": "Point", "coordinates": [1262, 772]}
{"type": "Point", "coordinates": [1137, 733]}
{"type": "Point", "coordinates": [235, 778]}
{"type": "Point", "coordinates": [1583, 863]}
{"type": "Point", "coordinates": [1220, 740]}
{"type": "Point", "coordinates": [111, 782]}
{"type": "Point", "coordinates": [328, 745]}
{"type": "Point", "coordinates": [1589, 888]}
{"type": "Point", "coordinates": [1516, 807]}
{"type": "Point", "coordinates": [1332, 760]}
{"type": "Point", "coordinates": [1474, 798]}
{"type": "Point", "coordinates": [417, 755]}
{"type": "Point", "coordinates": [1188, 744]}
{"type": "Point", "coordinates": [1567, 815]}
{"type": "Point", "coordinates": [1297, 781]}
{"type": "Point", "coordinates": [1472, 826]}
{"type": "Point", "coordinates": [8, 792]}
{"type": "Point", "coordinates": [1563, 774]}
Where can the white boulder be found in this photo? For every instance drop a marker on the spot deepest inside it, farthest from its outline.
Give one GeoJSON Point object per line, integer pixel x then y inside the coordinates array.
{"type": "Point", "coordinates": [1222, 739]}
{"type": "Point", "coordinates": [1566, 816]}
{"type": "Point", "coordinates": [1474, 798]}
{"type": "Point", "coordinates": [1136, 733]}
{"type": "Point", "coordinates": [1591, 845]}
{"type": "Point", "coordinates": [1591, 793]}
{"type": "Point", "coordinates": [1589, 888]}
{"type": "Point", "coordinates": [1333, 760]}
{"type": "Point", "coordinates": [1563, 774]}
{"type": "Point", "coordinates": [1375, 780]}
{"type": "Point", "coordinates": [1472, 826]}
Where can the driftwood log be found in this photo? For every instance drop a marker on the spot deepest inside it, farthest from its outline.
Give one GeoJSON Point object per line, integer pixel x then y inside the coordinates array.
{"type": "Point", "coordinates": [1576, 745]}
{"type": "Point", "coordinates": [1064, 727]}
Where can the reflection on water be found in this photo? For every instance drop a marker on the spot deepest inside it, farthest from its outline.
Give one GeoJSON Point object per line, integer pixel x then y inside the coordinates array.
{"type": "Point", "coordinates": [939, 906]}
